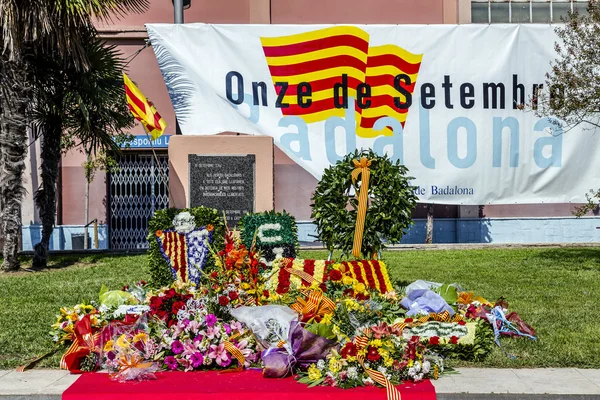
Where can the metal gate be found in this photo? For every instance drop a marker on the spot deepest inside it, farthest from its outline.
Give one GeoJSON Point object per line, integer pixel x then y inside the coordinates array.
{"type": "Point", "coordinates": [137, 189]}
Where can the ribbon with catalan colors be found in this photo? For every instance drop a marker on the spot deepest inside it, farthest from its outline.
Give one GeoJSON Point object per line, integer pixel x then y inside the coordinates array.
{"type": "Point", "coordinates": [361, 167]}
{"type": "Point", "coordinates": [361, 343]}
{"type": "Point", "coordinates": [235, 352]}
{"type": "Point", "coordinates": [315, 304]}
{"type": "Point", "coordinates": [440, 317]}
{"type": "Point", "coordinates": [84, 343]}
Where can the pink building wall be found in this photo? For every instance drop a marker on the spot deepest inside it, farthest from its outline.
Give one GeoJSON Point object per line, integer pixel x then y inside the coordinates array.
{"type": "Point", "coordinates": [293, 185]}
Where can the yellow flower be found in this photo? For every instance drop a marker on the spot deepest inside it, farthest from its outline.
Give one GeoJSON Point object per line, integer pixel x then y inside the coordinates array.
{"type": "Point", "coordinates": [94, 320]}
{"type": "Point", "coordinates": [313, 372]}
{"type": "Point", "coordinates": [140, 337]}
{"type": "Point", "coordinates": [388, 362]}
{"type": "Point", "coordinates": [359, 287]}
{"type": "Point", "coordinates": [436, 372]}
{"type": "Point", "coordinates": [335, 365]}
{"type": "Point", "coordinates": [327, 319]}
{"type": "Point", "coordinates": [108, 346]}
{"type": "Point", "coordinates": [346, 280]}
{"type": "Point", "coordinates": [376, 343]}
{"type": "Point", "coordinates": [122, 341]}
{"type": "Point", "coordinates": [383, 352]}
{"type": "Point", "coordinates": [351, 359]}
{"type": "Point", "coordinates": [245, 286]}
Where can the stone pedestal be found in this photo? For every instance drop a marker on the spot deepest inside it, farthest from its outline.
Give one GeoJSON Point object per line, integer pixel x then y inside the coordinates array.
{"type": "Point", "coordinates": [230, 173]}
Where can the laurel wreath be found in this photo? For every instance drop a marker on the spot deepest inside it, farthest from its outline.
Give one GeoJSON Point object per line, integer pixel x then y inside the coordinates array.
{"type": "Point", "coordinates": [391, 201]}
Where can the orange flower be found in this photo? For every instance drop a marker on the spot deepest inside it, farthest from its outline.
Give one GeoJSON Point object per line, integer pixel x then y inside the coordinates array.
{"type": "Point", "coordinates": [238, 256]}
{"type": "Point", "coordinates": [209, 227]}
{"type": "Point", "coordinates": [465, 298]}
{"type": "Point", "coordinates": [159, 232]}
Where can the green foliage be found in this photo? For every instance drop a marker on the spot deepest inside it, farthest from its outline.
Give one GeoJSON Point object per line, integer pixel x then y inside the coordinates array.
{"type": "Point", "coordinates": [391, 201]}
{"type": "Point", "coordinates": [250, 223]}
{"type": "Point", "coordinates": [159, 271]}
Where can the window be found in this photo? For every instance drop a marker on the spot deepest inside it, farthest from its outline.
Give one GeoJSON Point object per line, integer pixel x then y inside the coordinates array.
{"type": "Point", "coordinates": [524, 11]}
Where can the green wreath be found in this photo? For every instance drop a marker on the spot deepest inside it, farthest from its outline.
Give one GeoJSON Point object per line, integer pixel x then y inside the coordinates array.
{"type": "Point", "coordinates": [390, 204]}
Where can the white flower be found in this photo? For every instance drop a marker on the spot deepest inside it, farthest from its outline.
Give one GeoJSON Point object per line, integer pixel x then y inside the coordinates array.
{"type": "Point", "coordinates": [368, 380]}
{"type": "Point", "coordinates": [417, 366]}
{"type": "Point", "coordinates": [382, 369]}
{"type": "Point", "coordinates": [269, 227]}
{"type": "Point", "coordinates": [411, 372]}
{"type": "Point", "coordinates": [352, 373]}
{"type": "Point", "coordinates": [321, 364]}
{"type": "Point", "coordinates": [426, 367]}
{"type": "Point", "coordinates": [184, 223]}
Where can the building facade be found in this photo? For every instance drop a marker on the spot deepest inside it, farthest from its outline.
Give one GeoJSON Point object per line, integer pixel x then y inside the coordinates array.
{"type": "Point", "coordinates": [124, 201]}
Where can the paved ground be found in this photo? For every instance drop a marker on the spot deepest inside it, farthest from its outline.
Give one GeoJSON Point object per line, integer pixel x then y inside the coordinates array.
{"type": "Point", "coordinates": [468, 384]}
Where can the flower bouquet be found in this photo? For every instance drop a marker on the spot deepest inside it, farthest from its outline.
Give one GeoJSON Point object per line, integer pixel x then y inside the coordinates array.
{"type": "Point", "coordinates": [128, 352]}
{"type": "Point", "coordinates": [385, 352]}
{"type": "Point", "coordinates": [195, 339]}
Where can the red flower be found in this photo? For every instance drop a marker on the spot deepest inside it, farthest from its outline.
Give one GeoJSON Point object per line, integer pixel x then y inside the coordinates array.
{"type": "Point", "coordinates": [233, 295]}
{"type": "Point", "coordinates": [169, 294]}
{"type": "Point", "coordinates": [434, 340]}
{"type": "Point", "coordinates": [178, 305]}
{"type": "Point", "coordinates": [223, 300]}
{"type": "Point", "coordinates": [462, 323]}
{"type": "Point", "coordinates": [349, 350]}
{"type": "Point", "coordinates": [348, 293]}
{"type": "Point", "coordinates": [454, 339]}
{"type": "Point", "coordinates": [323, 287]}
{"type": "Point", "coordinates": [214, 275]}
{"type": "Point", "coordinates": [335, 275]}
{"type": "Point", "coordinates": [408, 320]}
{"type": "Point", "coordinates": [373, 354]}
{"type": "Point", "coordinates": [266, 293]}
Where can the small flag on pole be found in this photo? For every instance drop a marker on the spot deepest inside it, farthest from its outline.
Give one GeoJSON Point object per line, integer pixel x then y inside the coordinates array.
{"type": "Point", "coordinates": [143, 110]}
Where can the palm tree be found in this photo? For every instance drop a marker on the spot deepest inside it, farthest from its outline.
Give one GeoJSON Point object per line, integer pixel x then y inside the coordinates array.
{"type": "Point", "coordinates": [32, 29]}
{"type": "Point", "coordinates": [76, 108]}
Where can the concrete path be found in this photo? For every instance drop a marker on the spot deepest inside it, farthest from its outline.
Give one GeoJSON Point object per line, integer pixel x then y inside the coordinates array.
{"type": "Point", "coordinates": [467, 384]}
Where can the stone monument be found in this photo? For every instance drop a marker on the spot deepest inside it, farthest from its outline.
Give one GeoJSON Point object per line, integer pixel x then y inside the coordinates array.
{"type": "Point", "coordinates": [231, 173]}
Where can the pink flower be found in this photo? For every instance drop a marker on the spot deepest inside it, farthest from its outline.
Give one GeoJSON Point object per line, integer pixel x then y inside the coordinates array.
{"type": "Point", "coordinates": [246, 352]}
{"type": "Point", "coordinates": [218, 353]}
{"type": "Point", "coordinates": [329, 381]}
{"type": "Point", "coordinates": [193, 326]}
{"type": "Point", "coordinates": [211, 319]}
{"type": "Point", "coordinates": [212, 332]}
{"type": "Point", "coordinates": [237, 326]}
{"type": "Point", "coordinates": [189, 348]}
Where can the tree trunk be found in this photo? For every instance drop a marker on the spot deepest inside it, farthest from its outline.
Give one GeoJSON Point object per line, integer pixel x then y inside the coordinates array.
{"type": "Point", "coordinates": [45, 197]}
{"type": "Point", "coordinates": [87, 204]}
{"type": "Point", "coordinates": [13, 145]}
{"type": "Point", "coordinates": [429, 226]}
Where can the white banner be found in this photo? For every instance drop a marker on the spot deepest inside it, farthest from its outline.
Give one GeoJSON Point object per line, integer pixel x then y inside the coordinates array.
{"type": "Point", "coordinates": [442, 99]}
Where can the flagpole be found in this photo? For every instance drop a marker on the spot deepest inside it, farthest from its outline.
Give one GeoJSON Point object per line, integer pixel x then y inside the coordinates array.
{"type": "Point", "coordinates": [162, 173]}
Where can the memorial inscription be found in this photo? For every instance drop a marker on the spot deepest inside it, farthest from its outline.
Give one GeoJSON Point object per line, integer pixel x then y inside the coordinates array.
{"type": "Point", "coordinates": [224, 182]}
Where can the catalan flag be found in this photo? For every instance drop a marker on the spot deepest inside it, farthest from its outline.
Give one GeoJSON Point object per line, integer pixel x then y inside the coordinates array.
{"type": "Point", "coordinates": [321, 57]}
{"type": "Point", "coordinates": [143, 110]}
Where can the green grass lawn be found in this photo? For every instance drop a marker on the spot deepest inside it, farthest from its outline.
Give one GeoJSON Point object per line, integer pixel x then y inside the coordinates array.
{"type": "Point", "coordinates": [556, 291]}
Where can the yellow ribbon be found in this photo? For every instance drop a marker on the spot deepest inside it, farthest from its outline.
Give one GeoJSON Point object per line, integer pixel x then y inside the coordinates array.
{"type": "Point", "coordinates": [236, 353]}
{"type": "Point", "coordinates": [316, 304]}
{"type": "Point", "coordinates": [392, 393]}
{"type": "Point", "coordinates": [132, 361]}
{"type": "Point", "coordinates": [440, 317]}
{"type": "Point", "coordinates": [361, 167]}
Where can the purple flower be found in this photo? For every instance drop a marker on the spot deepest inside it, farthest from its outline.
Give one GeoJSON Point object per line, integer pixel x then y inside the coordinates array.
{"type": "Point", "coordinates": [198, 338]}
{"type": "Point", "coordinates": [171, 363]}
{"type": "Point", "coordinates": [227, 329]}
{"type": "Point", "coordinates": [227, 362]}
{"type": "Point", "coordinates": [211, 319]}
{"type": "Point", "coordinates": [186, 322]}
{"type": "Point", "coordinates": [197, 359]}
{"type": "Point", "coordinates": [177, 347]}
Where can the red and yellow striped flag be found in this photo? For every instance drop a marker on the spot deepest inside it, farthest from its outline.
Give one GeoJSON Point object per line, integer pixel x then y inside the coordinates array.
{"type": "Point", "coordinates": [321, 57]}
{"type": "Point", "coordinates": [143, 110]}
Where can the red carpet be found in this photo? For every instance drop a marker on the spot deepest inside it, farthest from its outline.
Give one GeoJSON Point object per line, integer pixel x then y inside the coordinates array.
{"type": "Point", "coordinates": [212, 385]}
